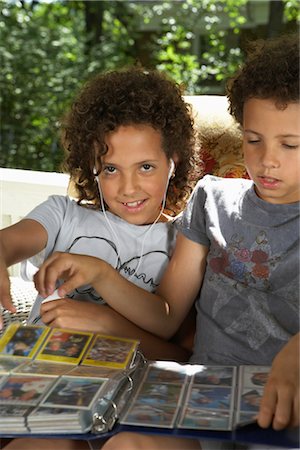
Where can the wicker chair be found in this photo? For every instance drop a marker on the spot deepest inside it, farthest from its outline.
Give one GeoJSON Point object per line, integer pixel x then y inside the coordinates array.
{"type": "Point", "coordinates": [23, 295]}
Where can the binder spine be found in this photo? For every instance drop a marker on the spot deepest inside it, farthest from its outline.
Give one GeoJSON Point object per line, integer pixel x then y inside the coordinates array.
{"type": "Point", "coordinates": [108, 408]}
{"type": "Point", "coordinates": [105, 422]}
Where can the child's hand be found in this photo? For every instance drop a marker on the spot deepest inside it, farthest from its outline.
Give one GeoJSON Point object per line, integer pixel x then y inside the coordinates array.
{"type": "Point", "coordinates": [280, 403]}
{"type": "Point", "coordinates": [74, 314]}
{"type": "Point", "coordinates": [5, 297]}
{"type": "Point", "coordinates": [75, 270]}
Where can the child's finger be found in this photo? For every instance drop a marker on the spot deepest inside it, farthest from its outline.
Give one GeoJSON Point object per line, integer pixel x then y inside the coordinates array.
{"type": "Point", "coordinates": [284, 409]}
{"type": "Point", "coordinates": [267, 408]}
{"type": "Point", "coordinates": [295, 422]}
{"type": "Point", "coordinates": [6, 300]}
{"type": "Point", "coordinates": [69, 285]}
{"type": "Point", "coordinates": [45, 279]}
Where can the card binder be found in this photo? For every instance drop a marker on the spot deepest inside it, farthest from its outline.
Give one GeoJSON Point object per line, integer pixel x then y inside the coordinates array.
{"type": "Point", "coordinates": [76, 395]}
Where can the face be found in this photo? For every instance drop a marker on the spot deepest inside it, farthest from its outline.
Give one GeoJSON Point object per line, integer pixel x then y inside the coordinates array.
{"type": "Point", "coordinates": [271, 145]}
{"type": "Point", "coordinates": [134, 174]}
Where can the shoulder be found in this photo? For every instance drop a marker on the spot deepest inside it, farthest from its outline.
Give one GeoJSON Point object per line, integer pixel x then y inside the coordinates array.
{"type": "Point", "coordinates": [213, 183]}
{"type": "Point", "coordinates": [59, 208]}
{"type": "Point", "coordinates": [65, 203]}
{"type": "Point", "coordinates": [214, 188]}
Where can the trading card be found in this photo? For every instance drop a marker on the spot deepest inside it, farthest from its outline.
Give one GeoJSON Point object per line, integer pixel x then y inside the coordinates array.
{"type": "Point", "coordinates": [66, 346]}
{"type": "Point", "coordinates": [111, 351]}
{"type": "Point", "coordinates": [157, 394]}
{"type": "Point", "coordinates": [254, 376]}
{"type": "Point", "coordinates": [91, 371]}
{"type": "Point", "coordinates": [250, 399]}
{"type": "Point", "coordinates": [24, 389]}
{"type": "Point", "coordinates": [205, 419]}
{"type": "Point", "coordinates": [73, 392]}
{"type": "Point", "coordinates": [164, 374]}
{"type": "Point", "coordinates": [202, 397]}
{"type": "Point", "coordinates": [150, 415]}
{"type": "Point", "coordinates": [43, 368]}
{"type": "Point", "coordinates": [215, 376]}
{"type": "Point", "coordinates": [8, 364]}
{"type": "Point", "coordinates": [244, 418]}
{"type": "Point", "coordinates": [22, 340]}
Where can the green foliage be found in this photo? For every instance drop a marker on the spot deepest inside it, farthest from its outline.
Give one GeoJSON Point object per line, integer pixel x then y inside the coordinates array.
{"type": "Point", "coordinates": [48, 49]}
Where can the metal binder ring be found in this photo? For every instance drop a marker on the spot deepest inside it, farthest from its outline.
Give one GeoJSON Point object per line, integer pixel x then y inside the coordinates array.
{"type": "Point", "coordinates": [113, 405]}
{"type": "Point", "coordinates": [130, 383]}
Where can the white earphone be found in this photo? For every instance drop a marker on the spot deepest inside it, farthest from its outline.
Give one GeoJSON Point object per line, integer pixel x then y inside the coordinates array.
{"type": "Point", "coordinates": [172, 168]}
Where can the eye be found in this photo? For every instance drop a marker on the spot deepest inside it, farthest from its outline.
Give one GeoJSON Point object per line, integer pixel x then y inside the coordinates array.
{"type": "Point", "coordinates": [146, 167]}
{"type": "Point", "coordinates": [108, 170]}
{"type": "Point", "coordinates": [290, 147]}
{"type": "Point", "coordinates": [253, 141]}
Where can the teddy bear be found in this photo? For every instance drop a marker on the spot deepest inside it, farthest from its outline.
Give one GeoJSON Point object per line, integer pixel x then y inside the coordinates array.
{"type": "Point", "coordinates": [219, 137]}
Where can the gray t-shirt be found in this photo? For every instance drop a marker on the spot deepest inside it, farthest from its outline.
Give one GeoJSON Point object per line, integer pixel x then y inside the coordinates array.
{"type": "Point", "coordinates": [139, 253]}
{"type": "Point", "coordinates": [248, 305]}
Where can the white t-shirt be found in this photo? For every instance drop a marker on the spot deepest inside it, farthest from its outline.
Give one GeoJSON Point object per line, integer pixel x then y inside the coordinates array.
{"type": "Point", "coordinates": [140, 253]}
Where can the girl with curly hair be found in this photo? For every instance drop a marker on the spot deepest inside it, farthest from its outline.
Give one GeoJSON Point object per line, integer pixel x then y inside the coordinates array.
{"type": "Point", "coordinates": [129, 143]}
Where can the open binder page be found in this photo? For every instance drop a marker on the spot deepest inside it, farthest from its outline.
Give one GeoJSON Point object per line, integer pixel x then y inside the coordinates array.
{"type": "Point", "coordinates": [183, 395]}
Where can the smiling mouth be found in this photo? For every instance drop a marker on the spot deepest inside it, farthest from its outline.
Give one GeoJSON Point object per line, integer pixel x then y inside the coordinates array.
{"type": "Point", "coordinates": [133, 204]}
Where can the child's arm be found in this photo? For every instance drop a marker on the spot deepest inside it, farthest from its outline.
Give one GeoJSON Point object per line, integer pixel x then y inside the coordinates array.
{"type": "Point", "coordinates": [17, 242]}
{"type": "Point", "coordinates": [160, 314]}
{"type": "Point", "coordinates": [280, 402]}
{"type": "Point", "coordinates": [78, 315]}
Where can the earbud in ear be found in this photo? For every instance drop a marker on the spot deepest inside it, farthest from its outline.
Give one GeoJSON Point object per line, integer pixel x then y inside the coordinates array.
{"type": "Point", "coordinates": [94, 171]}
{"type": "Point", "coordinates": [172, 168]}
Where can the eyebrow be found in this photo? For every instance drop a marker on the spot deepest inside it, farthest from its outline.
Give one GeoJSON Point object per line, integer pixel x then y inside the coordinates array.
{"type": "Point", "coordinates": [280, 135]}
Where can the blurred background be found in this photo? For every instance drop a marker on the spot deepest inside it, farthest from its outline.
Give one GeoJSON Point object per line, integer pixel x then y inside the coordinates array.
{"type": "Point", "coordinates": [49, 48]}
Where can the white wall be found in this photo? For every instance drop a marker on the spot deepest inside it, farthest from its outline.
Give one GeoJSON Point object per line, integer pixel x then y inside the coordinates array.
{"type": "Point", "coordinates": [22, 190]}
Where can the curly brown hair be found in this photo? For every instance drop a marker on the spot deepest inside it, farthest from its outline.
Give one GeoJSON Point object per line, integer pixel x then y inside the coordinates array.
{"type": "Point", "coordinates": [126, 97]}
{"type": "Point", "coordinates": [271, 71]}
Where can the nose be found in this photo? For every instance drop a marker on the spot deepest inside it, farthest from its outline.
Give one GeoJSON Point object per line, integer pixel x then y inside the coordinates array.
{"type": "Point", "coordinates": [129, 184]}
{"type": "Point", "coordinates": [269, 157]}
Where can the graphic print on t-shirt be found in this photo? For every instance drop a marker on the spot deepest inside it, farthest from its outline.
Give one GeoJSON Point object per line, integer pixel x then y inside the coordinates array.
{"type": "Point", "coordinates": [141, 268]}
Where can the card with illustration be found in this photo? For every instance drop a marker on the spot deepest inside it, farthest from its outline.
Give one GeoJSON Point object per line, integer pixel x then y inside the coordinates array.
{"type": "Point", "coordinates": [167, 372]}
{"type": "Point", "coordinates": [207, 420]}
{"type": "Point", "coordinates": [73, 392]}
{"type": "Point", "coordinates": [43, 368]}
{"type": "Point", "coordinates": [22, 389]}
{"type": "Point", "coordinates": [244, 418]}
{"type": "Point", "coordinates": [250, 400]}
{"type": "Point", "coordinates": [65, 346]}
{"type": "Point", "coordinates": [22, 341]}
{"type": "Point", "coordinates": [149, 415]}
{"type": "Point", "coordinates": [9, 364]}
{"type": "Point", "coordinates": [203, 397]}
{"type": "Point", "coordinates": [111, 351]}
{"type": "Point", "coordinates": [91, 371]}
{"type": "Point", "coordinates": [215, 376]}
{"type": "Point", "coordinates": [254, 376]}
{"type": "Point", "coordinates": [159, 394]}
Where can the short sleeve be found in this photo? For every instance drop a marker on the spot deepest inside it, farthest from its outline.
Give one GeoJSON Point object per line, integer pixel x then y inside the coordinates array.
{"type": "Point", "coordinates": [191, 222]}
